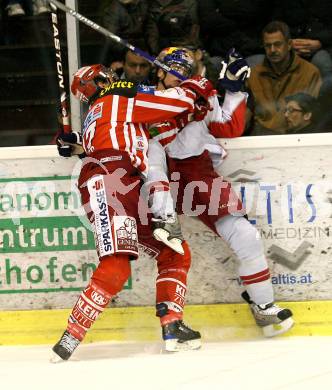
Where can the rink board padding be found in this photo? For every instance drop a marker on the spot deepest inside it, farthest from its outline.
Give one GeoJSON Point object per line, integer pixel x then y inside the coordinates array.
{"type": "Point", "coordinates": [47, 248]}
{"type": "Point", "coordinates": [216, 322]}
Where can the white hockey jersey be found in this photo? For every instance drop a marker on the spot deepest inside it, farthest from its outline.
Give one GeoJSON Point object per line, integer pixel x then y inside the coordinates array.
{"type": "Point", "coordinates": [226, 121]}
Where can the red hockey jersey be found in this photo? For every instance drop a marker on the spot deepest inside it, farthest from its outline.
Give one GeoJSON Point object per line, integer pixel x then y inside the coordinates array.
{"type": "Point", "coordinates": [119, 116]}
{"type": "Point", "coordinates": [227, 121]}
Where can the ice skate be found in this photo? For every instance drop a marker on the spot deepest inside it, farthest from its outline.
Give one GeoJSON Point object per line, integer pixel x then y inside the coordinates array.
{"type": "Point", "coordinates": [273, 320]}
{"type": "Point", "coordinates": [169, 232]}
{"type": "Point", "coordinates": [179, 337]}
{"type": "Point", "coordinates": [64, 348]}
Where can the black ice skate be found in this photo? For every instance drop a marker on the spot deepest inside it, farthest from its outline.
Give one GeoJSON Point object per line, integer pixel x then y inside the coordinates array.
{"type": "Point", "coordinates": [169, 232]}
{"type": "Point", "coordinates": [273, 320]}
{"type": "Point", "coordinates": [180, 337]}
{"type": "Point", "coordinates": [64, 348]}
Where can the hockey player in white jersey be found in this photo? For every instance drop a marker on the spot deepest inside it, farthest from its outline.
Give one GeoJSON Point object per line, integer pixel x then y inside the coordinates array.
{"type": "Point", "coordinates": [192, 153]}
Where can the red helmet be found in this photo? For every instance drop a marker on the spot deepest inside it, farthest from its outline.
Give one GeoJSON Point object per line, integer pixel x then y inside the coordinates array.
{"type": "Point", "coordinates": [84, 84]}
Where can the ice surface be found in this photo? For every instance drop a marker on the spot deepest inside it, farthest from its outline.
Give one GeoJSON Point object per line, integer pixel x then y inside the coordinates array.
{"type": "Point", "coordinates": [295, 363]}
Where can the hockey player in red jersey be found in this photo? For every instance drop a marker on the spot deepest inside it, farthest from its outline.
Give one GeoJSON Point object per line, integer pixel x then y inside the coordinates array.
{"type": "Point", "coordinates": [115, 141]}
{"type": "Point", "coordinates": [192, 154]}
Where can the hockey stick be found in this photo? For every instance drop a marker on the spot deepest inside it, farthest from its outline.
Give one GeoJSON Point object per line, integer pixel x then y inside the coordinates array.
{"type": "Point", "coordinates": [65, 125]}
{"type": "Point", "coordinates": [116, 38]}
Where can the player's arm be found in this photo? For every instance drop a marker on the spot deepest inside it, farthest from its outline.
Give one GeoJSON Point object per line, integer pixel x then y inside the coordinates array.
{"type": "Point", "coordinates": [158, 106]}
{"type": "Point", "coordinates": [228, 120]}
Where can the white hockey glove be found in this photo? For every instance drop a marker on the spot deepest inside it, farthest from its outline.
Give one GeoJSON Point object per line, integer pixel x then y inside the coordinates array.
{"type": "Point", "coordinates": [233, 73]}
{"type": "Point", "coordinates": [70, 144]}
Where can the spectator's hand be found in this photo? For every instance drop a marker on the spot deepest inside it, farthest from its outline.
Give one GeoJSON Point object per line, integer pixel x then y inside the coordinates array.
{"type": "Point", "coordinates": [70, 144]}
{"type": "Point", "coordinates": [306, 47]}
{"type": "Point", "coordinates": [201, 86]}
{"type": "Point", "coordinates": [233, 73]}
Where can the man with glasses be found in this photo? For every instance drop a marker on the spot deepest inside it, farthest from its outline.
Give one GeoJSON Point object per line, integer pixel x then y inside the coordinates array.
{"type": "Point", "coordinates": [300, 113]}
{"type": "Point", "coordinates": [282, 73]}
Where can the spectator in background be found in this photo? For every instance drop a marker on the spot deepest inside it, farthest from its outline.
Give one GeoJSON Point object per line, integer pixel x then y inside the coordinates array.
{"type": "Point", "coordinates": [40, 7]}
{"type": "Point", "coordinates": [18, 7]}
{"type": "Point", "coordinates": [29, 7]}
{"type": "Point", "coordinates": [134, 68]}
{"type": "Point", "coordinates": [282, 73]}
{"type": "Point", "coordinates": [172, 23]}
{"type": "Point", "coordinates": [225, 24]}
{"type": "Point", "coordinates": [300, 113]}
{"type": "Point", "coordinates": [127, 19]}
{"type": "Point", "coordinates": [311, 26]}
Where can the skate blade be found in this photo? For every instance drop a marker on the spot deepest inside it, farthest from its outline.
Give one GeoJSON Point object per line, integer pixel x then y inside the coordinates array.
{"type": "Point", "coordinates": [172, 345]}
{"type": "Point", "coordinates": [175, 243]}
{"type": "Point", "coordinates": [55, 358]}
{"type": "Point", "coordinates": [277, 329]}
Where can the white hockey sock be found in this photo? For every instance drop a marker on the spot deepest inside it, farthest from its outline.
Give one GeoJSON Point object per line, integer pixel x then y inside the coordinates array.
{"type": "Point", "coordinates": [261, 293]}
{"type": "Point", "coordinates": [253, 269]}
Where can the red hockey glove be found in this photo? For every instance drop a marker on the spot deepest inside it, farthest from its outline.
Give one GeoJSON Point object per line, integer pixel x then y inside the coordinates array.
{"type": "Point", "coordinates": [202, 107]}
{"type": "Point", "coordinates": [200, 85]}
{"type": "Point", "coordinates": [182, 120]}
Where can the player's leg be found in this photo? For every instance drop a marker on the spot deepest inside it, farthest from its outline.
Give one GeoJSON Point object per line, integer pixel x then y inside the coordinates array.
{"type": "Point", "coordinates": [114, 224]}
{"type": "Point", "coordinates": [171, 287]}
{"type": "Point", "coordinates": [106, 281]}
{"type": "Point", "coordinates": [254, 273]}
{"type": "Point", "coordinates": [165, 224]}
{"type": "Point", "coordinates": [220, 203]}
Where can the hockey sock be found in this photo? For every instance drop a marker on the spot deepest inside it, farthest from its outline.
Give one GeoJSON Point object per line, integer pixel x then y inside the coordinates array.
{"type": "Point", "coordinates": [261, 293]}
{"type": "Point", "coordinates": [253, 269]}
{"type": "Point", "coordinates": [171, 284]}
{"type": "Point", "coordinates": [89, 305]}
{"type": "Point", "coordinates": [106, 281]}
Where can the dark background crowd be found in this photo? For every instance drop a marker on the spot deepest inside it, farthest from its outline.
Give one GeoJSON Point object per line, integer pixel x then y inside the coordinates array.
{"type": "Point", "coordinates": [287, 43]}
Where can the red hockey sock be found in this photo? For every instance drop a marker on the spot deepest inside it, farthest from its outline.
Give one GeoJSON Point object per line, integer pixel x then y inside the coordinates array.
{"type": "Point", "coordinates": [90, 304]}
{"type": "Point", "coordinates": [171, 291]}
{"type": "Point", "coordinates": [171, 284]}
{"type": "Point", "coordinates": [106, 281]}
